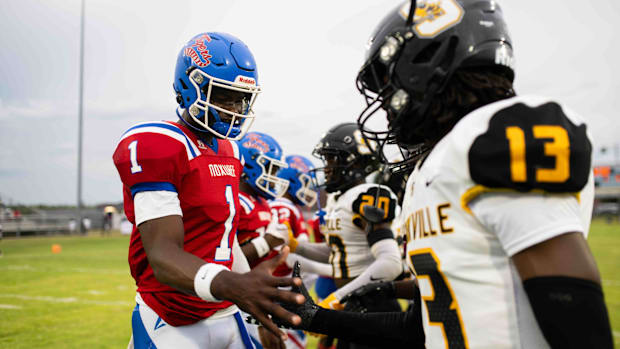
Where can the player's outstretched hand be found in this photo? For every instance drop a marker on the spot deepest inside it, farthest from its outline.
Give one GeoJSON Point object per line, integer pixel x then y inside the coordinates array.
{"type": "Point", "coordinates": [362, 297]}
{"type": "Point", "coordinates": [256, 292]}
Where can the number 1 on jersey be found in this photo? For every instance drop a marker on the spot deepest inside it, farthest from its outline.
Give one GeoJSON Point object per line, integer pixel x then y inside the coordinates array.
{"type": "Point", "coordinates": [133, 156]}
{"type": "Point", "coordinates": [222, 252]}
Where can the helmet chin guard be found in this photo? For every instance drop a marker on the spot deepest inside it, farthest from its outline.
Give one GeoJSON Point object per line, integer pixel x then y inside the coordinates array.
{"type": "Point", "coordinates": [301, 184]}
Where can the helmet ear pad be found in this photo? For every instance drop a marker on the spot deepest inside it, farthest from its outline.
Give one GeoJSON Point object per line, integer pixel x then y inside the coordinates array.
{"type": "Point", "coordinates": [251, 172]}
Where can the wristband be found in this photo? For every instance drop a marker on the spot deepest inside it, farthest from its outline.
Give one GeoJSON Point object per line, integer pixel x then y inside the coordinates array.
{"type": "Point", "coordinates": [261, 246]}
{"type": "Point", "coordinates": [379, 234]}
{"type": "Point", "coordinates": [203, 278]}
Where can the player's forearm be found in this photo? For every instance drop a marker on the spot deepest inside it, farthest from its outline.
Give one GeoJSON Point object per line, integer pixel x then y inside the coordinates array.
{"type": "Point", "coordinates": [309, 266]}
{"type": "Point", "coordinates": [163, 240]}
{"type": "Point", "coordinates": [249, 251]}
{"type": "Point", "coordinates": [174, 267]}
{"type": "Point", "coordinates": [316, 251]}
{"type": "Point", "coordinates": [386, 267]}
{"type": "Point", "coordinates": [260, 247]}
{"type": "Point", "coordinates": [389, 330]}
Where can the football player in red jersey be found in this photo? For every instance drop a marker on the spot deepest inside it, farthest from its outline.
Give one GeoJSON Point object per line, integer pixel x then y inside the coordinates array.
{"type": "Point", "coordinates": [180, 185]}
{"type": "Point", "coordinates": [262, 227]}
{"type": "Point", "coordinates": [263, 160]}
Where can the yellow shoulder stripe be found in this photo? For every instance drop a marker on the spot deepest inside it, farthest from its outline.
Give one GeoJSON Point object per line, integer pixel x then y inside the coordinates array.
{"type": "Point", "coordinates": [477, 190]}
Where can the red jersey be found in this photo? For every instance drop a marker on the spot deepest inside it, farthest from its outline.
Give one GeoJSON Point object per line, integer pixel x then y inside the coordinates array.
{"type": "Point", "coordinates": [164, 155]}
{"type": "Point", "coordinates": [287, 211]}
{"type": "Point", "coordinates": [315, 226]}
{"type": "Point", "coordinates": [254, 217]}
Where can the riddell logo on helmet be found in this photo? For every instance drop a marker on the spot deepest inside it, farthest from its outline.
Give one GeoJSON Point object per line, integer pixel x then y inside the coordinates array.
{"type": "Point", "coordinates": [198, 51]}
{"type": "Point", "coordinates": [245, 80]}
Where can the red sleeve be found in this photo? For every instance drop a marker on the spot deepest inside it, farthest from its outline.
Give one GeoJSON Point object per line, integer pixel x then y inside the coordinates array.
{"type": "Point", "coordinates": [313, 224]}
{"type": "Point", "coordinates": [254, 216]}
{"type": "Point", "coordinates": [144, 158]}
{"type": "Point", "coordinates": [292, 215]}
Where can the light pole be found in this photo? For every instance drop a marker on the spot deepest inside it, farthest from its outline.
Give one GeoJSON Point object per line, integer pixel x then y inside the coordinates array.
{"type": "Point", "coordinates": [80, 112]}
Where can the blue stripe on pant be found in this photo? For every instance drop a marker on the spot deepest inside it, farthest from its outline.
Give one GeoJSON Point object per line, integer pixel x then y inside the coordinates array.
{"type": "Point", "coordinates": [244, 332]}
{"type": "Point", "coordinates": [141, 339]}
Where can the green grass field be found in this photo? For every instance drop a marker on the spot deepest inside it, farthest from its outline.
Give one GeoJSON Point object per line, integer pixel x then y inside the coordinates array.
{"type": "Point", "coordinates": [83, 296]}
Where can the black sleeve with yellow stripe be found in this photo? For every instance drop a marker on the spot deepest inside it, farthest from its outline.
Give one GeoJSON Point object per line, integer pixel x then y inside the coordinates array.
{"type": "Point", "coordinates": [374, 196]}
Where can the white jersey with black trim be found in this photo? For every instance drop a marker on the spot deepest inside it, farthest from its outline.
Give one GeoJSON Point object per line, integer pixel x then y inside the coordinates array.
{"type": "Point", "coordinates": [350, 254]}
{"type": "Point", "coordinates": [509, 175]}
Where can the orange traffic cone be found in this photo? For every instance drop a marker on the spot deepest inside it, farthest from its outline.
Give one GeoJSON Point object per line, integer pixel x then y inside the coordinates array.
{"type": "Point", "coordinates": [56, 248]}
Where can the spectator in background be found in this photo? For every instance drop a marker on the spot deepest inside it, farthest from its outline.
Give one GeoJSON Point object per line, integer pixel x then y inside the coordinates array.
{"type": "Point", "coordinates": [72, 226]}
{"type": "Point", "coordinates": [86, 224]}
{"type": "Point", "coordinates": [108, 214]}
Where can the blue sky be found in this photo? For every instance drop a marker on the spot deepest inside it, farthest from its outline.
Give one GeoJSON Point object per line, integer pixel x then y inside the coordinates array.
{"type": "Point", "coordinates": [308, 54]}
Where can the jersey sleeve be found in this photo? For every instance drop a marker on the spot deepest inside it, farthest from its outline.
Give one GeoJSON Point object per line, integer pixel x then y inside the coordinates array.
{"type": "Point", "coordinates": [381, 197]}
{"type": "Point", "coordinates": [532, 148]}
{"type": "Point", "coordinates": [547, 216]}
{"type": "Point", "coordinates": [149, 161]}
{"type": "Point", "coordinates": [288, 213]}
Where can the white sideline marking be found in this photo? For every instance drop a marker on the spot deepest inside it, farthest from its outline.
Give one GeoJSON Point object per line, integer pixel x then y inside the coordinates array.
{"type": "Point", "coordinates": [64, 270]}
{"type": "Point", "coordinates": [611, 282]}
{"type": "Point", "coordinates": [64, 300]}
{"type": "Point", "coordinates": [616, 333]}
{"type": "Point", "coordinates": [95, 292]}
{"type": "Point", "coordinates": [9, 306]}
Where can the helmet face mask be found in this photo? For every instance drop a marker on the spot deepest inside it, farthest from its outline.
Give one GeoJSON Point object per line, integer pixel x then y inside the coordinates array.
{"type": "Point", "coordinates": [306, 193]}
{"type": "Point", "coordinates": [268, 182]}
{"type": "Point", "coordinates": [410, 60]}
{"type": "Point", "coordinates": [346, 156]}
{"type": "Point", "coordinates": [216, 83]}
{"type": "Point", "coordinates": [300, 175]}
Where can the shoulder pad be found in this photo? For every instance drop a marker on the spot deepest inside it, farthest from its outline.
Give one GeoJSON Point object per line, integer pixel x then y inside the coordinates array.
{"type": "Point", "coordinates": [153, 152]}
{"type": "Point", "coordinates": [527, 148]}
{"type": "Point", "coordinates": [163, 131]}
{"type": "Point", "coordinates": [384, 199]}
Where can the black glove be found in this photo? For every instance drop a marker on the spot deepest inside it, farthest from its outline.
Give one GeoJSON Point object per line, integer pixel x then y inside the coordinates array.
{"type": "Point", "coordinates": [308, 309]}
{"type": "Point", "coordinates": [362, 298]}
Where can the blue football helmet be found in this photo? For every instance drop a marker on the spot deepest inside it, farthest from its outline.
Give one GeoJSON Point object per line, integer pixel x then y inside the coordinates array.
{"type": "Point", "coordinates": [263, 160]}
{"type": "Point", "coordinates": [299, 176]}
{"type": "Point", "coordinates": [216, 81]}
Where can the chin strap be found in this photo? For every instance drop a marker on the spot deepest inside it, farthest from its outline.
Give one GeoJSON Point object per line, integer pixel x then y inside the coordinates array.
{"type": "Point", "coordinates": [221, 127]}
{"type": "Point", "coordinates": [218, 126]}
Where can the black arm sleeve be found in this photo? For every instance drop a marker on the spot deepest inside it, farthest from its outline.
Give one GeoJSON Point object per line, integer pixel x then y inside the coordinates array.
{"type": "Point", "coordinates": [571, 312]}
{"type": "Point", "coordinates": [387, 330]}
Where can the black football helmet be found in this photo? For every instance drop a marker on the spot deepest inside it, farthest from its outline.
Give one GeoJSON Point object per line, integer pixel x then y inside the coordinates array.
{"type": "Point", "coordinates": [346, 156]}
{"type": "Point", "coordinates": [410, 59]}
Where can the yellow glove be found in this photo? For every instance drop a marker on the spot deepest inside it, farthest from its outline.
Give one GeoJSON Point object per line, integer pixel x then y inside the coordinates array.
{"type": "Point", "coordinates": [292, 241]}
{"type": "Point", "coordinates": [331, 302]}
{"type": "Point", "coordinates": [317, 335]}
